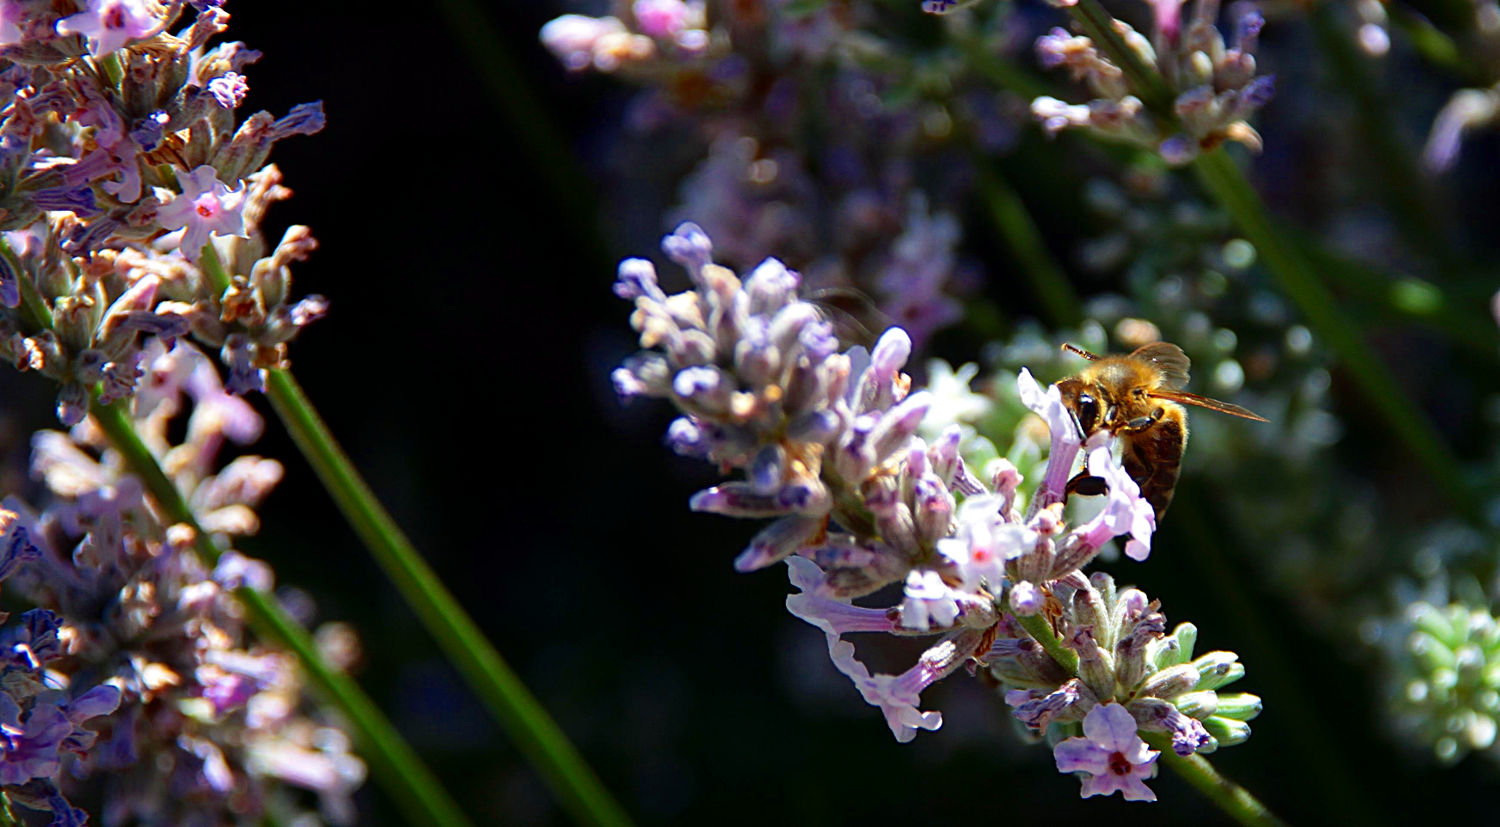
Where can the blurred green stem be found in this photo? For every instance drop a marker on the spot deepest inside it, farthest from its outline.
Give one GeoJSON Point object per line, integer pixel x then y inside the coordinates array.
{"type": "Point", "coordinates": [574, 784]}
{"type": "Point", "coordinates": [1292, 271]}
{"type": "Point", "coordinates": [1403, 188]}
{"type": "Point", "coordinates": [544, 744]}
{"type": "Point", "coordinates": [1024, 238]}
{"type": "Point", "coordinates": [1385, 295]}
{"type": "Point", "coordinates": [1432, 44]}
{"type": "Point", "coordinates": [398, 770]}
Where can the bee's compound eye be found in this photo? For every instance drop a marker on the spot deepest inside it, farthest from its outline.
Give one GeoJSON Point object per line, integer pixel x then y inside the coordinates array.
{"type": "Point", "coordinates": [1088, 412]}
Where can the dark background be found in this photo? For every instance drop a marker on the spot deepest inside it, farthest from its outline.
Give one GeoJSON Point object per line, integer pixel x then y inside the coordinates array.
{"type": "Point", "coordinates": [465, 368]}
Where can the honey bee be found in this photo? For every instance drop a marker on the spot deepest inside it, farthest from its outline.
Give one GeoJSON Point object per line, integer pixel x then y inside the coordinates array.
{"type": "Point", "coordinates": [1136, 397]}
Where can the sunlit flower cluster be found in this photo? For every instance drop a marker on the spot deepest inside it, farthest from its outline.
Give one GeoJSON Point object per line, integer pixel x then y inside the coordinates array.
{"type": "Point", "coordinates": [826, 440]}
{"type": "Point", "coordinates": [121, 185]}
{"type": "Point", "coordinates": [207, 722]}
{"type": "Point", "coordinates": [1215, 86]}
{"type": "Point", "coordinates": [805, 134]}
{"type": "Point", "coordinates": [129, 229]}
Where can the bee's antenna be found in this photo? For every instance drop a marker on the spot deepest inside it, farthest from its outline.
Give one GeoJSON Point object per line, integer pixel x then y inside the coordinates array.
{"type": "Point", "coordinates": [1072, 348]}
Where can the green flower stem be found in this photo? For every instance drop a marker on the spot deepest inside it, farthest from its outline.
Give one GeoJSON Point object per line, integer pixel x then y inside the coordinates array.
{"type": "Point", "coordinates": [400, 773]}
{"type": "Point", "coordinates": [1144, 79]}
{"type": "Point", "coordinates": [1292, 271]}
{"type": "Point", "coordinates": [1390, 296]}
{"type": "Point", "coordinates": [1403, 188]}
{"type": "Point", "coordinates": [985, 59]}
{"type": "Point", "coordinates": [545, 745]}
{"type": "Point", "coordinates": [1432, 44]}
{"type": "Point", "coordinates": [110, 66]}
{"type": "Point", "coordinates": [543, 742]}
{"type": "Point", "coordinates": [1041, 631]}
{"type": "Point", "coordinates": [1021, 233]}
{"type": "Point", "coordinates": [35, 314]}
{"type": "Point", "coordinates": [1233, 799]}
{"type": "Point", "coordinates": [1456, 16]}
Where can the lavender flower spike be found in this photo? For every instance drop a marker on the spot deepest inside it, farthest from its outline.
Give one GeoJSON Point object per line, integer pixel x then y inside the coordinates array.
{"type": "Point", "coordinates": [826, 444]}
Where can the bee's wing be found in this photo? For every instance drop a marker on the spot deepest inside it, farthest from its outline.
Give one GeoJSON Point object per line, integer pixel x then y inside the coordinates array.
{"type": "Point", "coordinates": [1204, 402]}
{"type": "Point", "coordinates": [855, 318]}
{"type": "Point", "coordinates": [1169, 359]}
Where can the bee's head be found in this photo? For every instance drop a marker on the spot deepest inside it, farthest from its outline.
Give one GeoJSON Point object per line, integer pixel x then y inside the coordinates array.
{"type": "Point", "coordinates": [1083, 399]}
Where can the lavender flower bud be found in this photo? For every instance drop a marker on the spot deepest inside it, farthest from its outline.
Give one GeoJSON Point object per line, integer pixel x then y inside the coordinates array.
{"type": "Point", "coordinates": [767, 469]}
{"type": "Point", "coordinates": [819, 341]}
{"type": "Point", "coordinates": [778, 541]}
{"type": "Point", "coordinates": [1026, 599]}
{"type": "Point", "coordinates": [770, 287]}
{"type": "Point", "coordinates": [1198, 705]}
{"type": "Point", "coordinates": [1038, 712]}
{"type": "Point", "coordinates": [72, 404]}
{"type": "Point", "coordinates": [704, 391]}
{"type": "Point", "coordinates": [738, 499]}
{"type": "Point", "coordinates": [1226, 731]}
{"type": "Point", "coordinates": [898, 426]}
{"type": "Point", "coordinates": [916, 461]}
{"type": "Point", "coordinates": [855, 455]}
{"type": "Point", "coordinates": [1240, 706]}
{"type": "Point", "coordinates": [757, 362]}
{"type": "Point", "coordinates": [1156, 715]}
{"type": "Point", "coordinates": [637, 278]}
{"type": "Point", "coordinates": [795, 323]}
{"type": "Point", "coordinates": [1090, 611]}
{"type": "Point", "coordinates": [1170, 682]}
{"type": "Point", "coordinates": [897, 527]}
{"type": "Point", "coordinates": [1217, 669]}
{"type": "Point", "coordinates": [1095, 665]}
{"type": "Point", "coordinates": [879, 384]}
{"type": "Point", "coordinates": [689, 246]}
{"type": "Point", "coordinates": [817, 427]}
{"type": "Point", "coordinates": [934, 510]}
{"type": "Point", "coordinates": [1023, 662]}
{"type": "Point", "coordinates": [1176, 648]}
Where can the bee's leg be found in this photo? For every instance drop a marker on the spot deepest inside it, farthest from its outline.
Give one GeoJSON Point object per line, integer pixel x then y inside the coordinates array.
{"type": "Point", "coordinates": [1085, 484]}
{"type": "Point", "coordinates": [1141, 423]}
